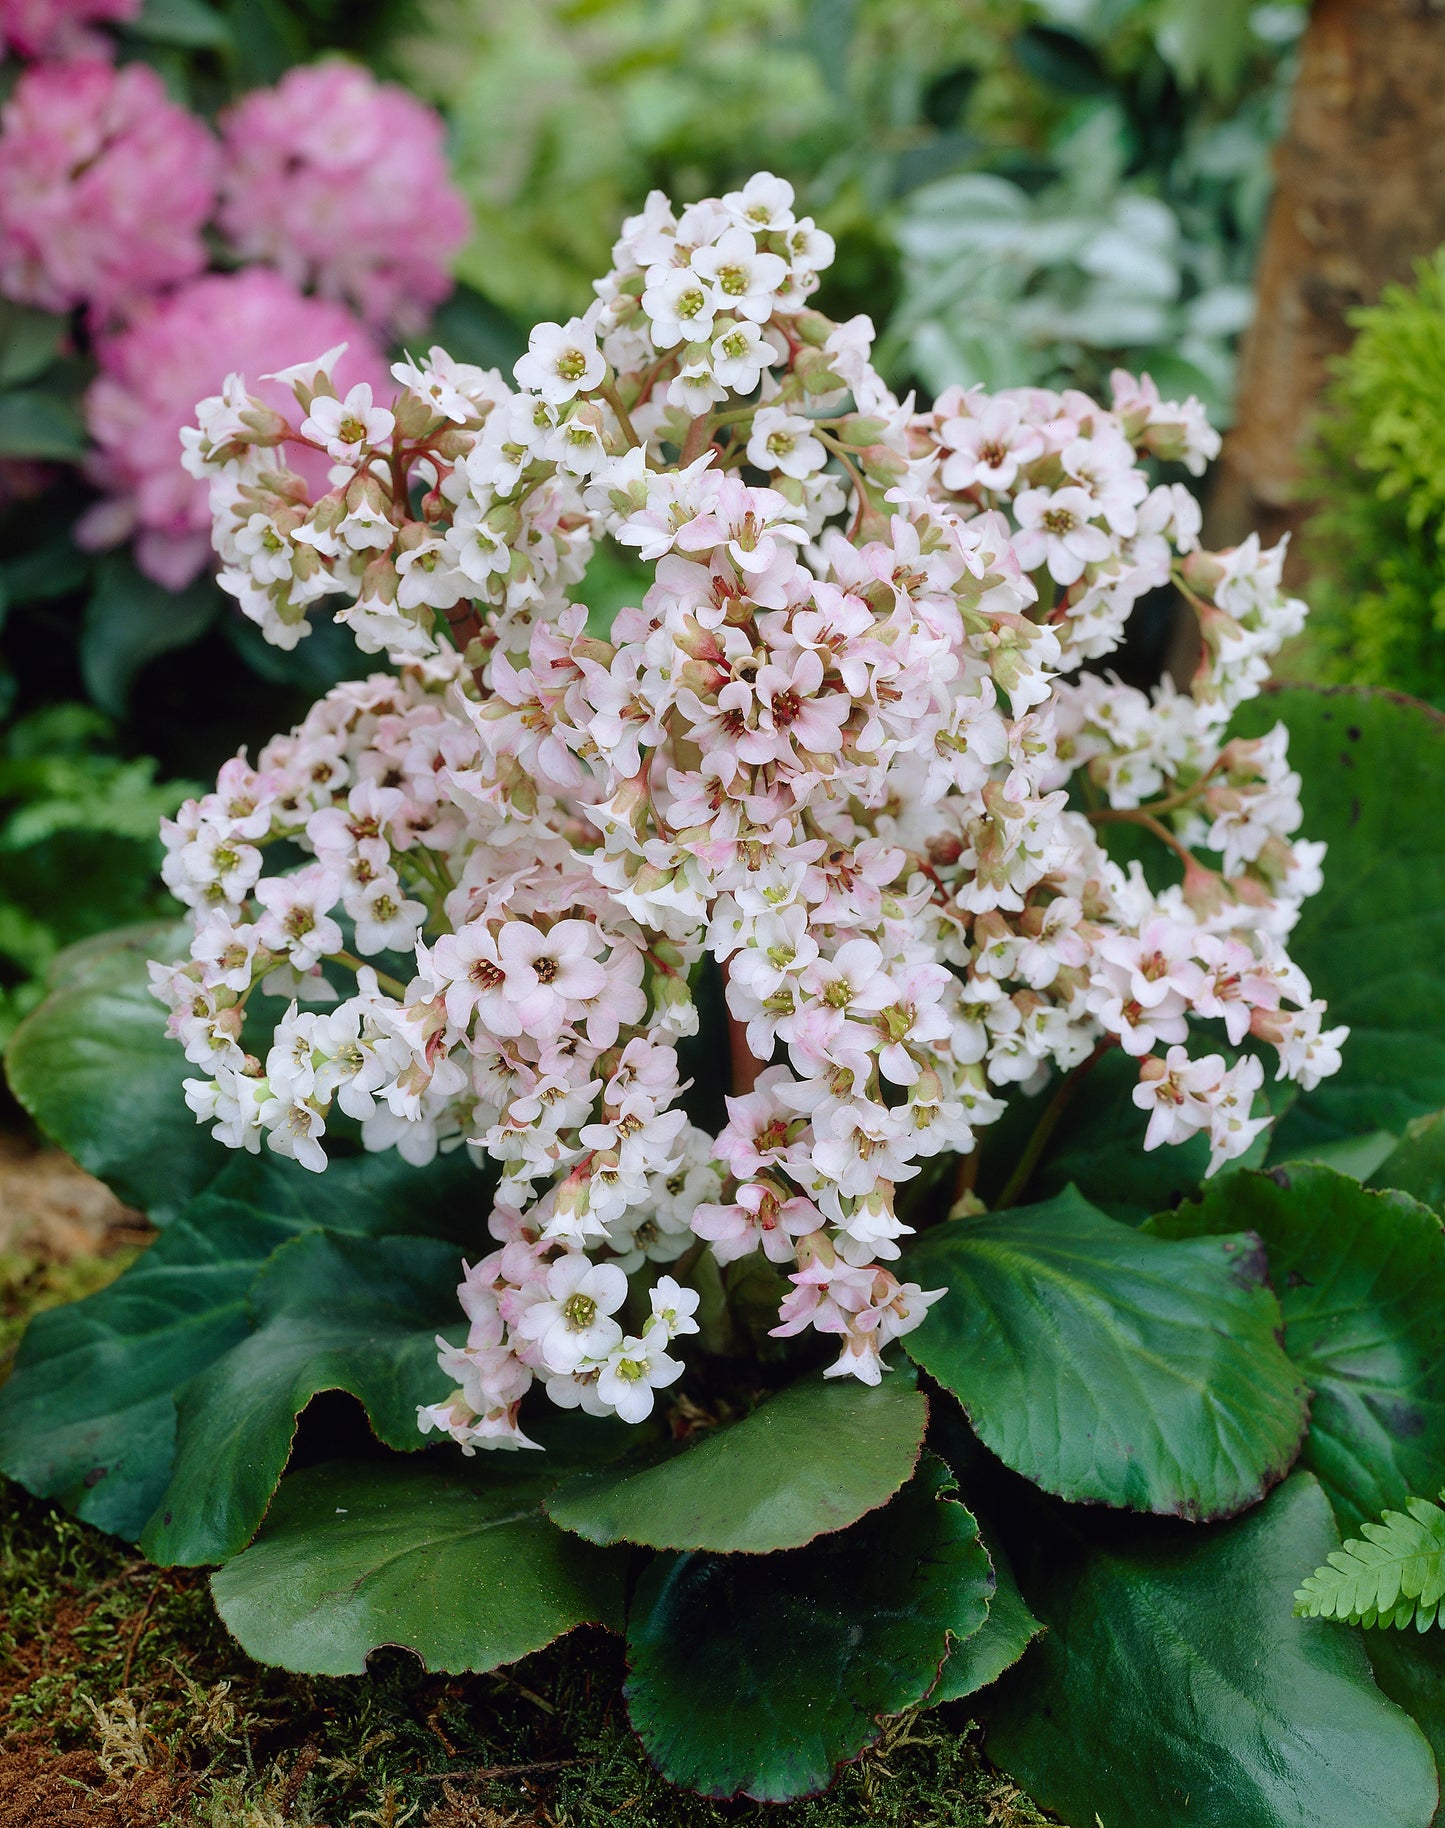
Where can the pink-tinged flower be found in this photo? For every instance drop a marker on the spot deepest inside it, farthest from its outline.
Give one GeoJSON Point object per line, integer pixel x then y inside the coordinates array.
{"type": "Point", "coordinates": [760, 1128]}
{"type": "Point", "coordinates": [761, 1213]}
{"type": "Point", "coordinates": [548, 971]}
{"type": "Point", "coordinates": [342, 183]}
{"type": "Point", "coordinates": [986, 452]}
{"type": "Point", "coordinates": [1055, 530]}
{"type": "Point", "coordinates": [60, 28]}
{"type": "Point", "coordinates": [297, 920]}
{"type": "Point", "coordinates": [152, 373]}
{"type": "Point", "coordinates": [105, 186]}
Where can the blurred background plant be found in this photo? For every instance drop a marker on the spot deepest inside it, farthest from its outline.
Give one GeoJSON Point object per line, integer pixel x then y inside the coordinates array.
{"type": "Point", "coordinates": [1022, 191]}
{"type": "Point", "coordinates": [1376, 541]}
{"type": "Point", "coordinates": [79, 842]}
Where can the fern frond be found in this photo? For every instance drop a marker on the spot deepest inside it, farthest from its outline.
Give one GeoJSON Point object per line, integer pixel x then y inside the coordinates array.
{"type": "Point", "coordinates": [1392, 1574]}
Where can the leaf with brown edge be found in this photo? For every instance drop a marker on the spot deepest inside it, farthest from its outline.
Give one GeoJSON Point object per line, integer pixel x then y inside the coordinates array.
{"type": "Point", "coordinates": [813, 1459]}
{"type": "Point", "coordinates": [454, 1561]}
{"type": "Point", "coordinates": [757, 1675]}
{"type": "Point", "coordinates": [1106, 1366]}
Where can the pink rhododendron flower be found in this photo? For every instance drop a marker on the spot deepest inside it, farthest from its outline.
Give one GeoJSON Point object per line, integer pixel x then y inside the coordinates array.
{"type": "Point", "coordinates": [150, 372]}
{"type": "Point", "coordinates": [59, 28]}
{"type": "Point", "coordinates": [342, 183]}
{"type": "Point", "coordinates": [105, 186]}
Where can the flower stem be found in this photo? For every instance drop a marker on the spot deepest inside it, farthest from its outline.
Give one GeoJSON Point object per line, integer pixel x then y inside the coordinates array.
{"type": "Point", "coordinates": [1017, 1183]}
{"type": "Point", "coordinates": [391, 985]}
{"type": "Point", "coordinates": [609, 393]}
{"type": "Point", "coordinates": [1114, 816]}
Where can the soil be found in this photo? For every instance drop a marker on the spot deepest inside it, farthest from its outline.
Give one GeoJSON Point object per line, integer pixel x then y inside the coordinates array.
{"type": "Point", "coordinates": [54, 1211]}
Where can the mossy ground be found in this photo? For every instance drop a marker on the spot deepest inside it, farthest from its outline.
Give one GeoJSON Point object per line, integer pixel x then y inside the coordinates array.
{"type": "Point", "coordinates": [124, 1703]}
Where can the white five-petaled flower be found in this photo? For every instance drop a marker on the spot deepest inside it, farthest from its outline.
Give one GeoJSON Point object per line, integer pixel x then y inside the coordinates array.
{"type": "Point", "coordinates": [348, 429]}
{"type": "Point", "coordinates": [562, 360]}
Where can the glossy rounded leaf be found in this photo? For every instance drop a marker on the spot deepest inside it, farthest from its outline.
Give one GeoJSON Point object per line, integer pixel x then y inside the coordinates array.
{"type": "Point", "coordinates": [1416, 1165]}
{"type": "Point", "coordinates": [1361, 1277]}
{"type": "Point", "coordinates": [1372, 942]}
{"type": "Point", "coordinates": [88, 1414]}
{"type": "Point", "coordinates": [93, 1067]}
{"type": "Point", "coordinates": [812, 1459]}
{"type": "Point", "coordinates": [756, 1675]}
{"type": "Point", "coordinates": [1410, 1667]}
{"type": "Point", "coordinates": [1174, 1684]}
{"type": "Point", "coordinates": [997, 1645]}
{"type": "Point", "coordinates": [331, 1313]}
{"type": "Point", "coordinates": [1108, 1366]}
{"type": "Point", "coordinates": [455, 1562]}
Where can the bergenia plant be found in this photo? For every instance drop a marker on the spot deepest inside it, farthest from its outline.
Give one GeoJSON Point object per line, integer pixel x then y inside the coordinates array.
{"type": "Point", "coordinates": [844, 748]}
{"type": "Point", "coordinates": [864, 1057]}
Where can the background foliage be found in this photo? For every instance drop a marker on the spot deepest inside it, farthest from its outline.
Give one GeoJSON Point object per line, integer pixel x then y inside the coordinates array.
{"type": "Point", "coordinates": [1377, 539]}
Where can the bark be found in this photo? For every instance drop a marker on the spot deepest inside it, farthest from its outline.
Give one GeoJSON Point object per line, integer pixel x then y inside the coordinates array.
{"type": "Point", "coordinates": [1360, 196]}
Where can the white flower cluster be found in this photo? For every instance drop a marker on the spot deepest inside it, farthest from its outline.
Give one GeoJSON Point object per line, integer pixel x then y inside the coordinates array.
{"type": "Point", "coordinates": [843, 745]}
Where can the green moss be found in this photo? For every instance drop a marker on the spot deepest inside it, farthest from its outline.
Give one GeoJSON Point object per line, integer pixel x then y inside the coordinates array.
{"type": "Point", "coordinates": [103, 1651]}
{"type": "Point", "coordinates": [30, 1283]}
{"type": "Point", "coordinates": [1377, 543]}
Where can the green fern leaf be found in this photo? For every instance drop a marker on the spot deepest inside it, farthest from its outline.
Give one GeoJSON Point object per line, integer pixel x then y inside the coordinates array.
{"type": "Point", "coordinates": [1393, 1574]}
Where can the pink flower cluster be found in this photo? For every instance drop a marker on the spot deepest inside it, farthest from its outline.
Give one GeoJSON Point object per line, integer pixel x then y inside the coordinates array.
{"type": "Point", "coordinates": [342, 184]}
{"type": "Point", "coordinates": [105, 187]}
{"type": "Point", "coordinates": [59, 28]}
{"type": "Point", "coordinates": [145, 393]}
{"type": "Point", "coordinates": [843, 746]}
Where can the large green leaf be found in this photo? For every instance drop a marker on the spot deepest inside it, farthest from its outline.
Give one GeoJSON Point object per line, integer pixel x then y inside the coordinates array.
{"type": "Point", "coordinates": [36, 422]}
{"type": "Point", "coordinates": [30, 340]}
{"type": "Point", "coordinates": [93, 1067]}
{"type": "Point", "coordinates": [997, 1645]}
{"type": "Point", "coordinates": [331, 1313]}
{"type": "Point", "coordinates": [456, 1563]}
{"type": "Point", "coordinates": [1174, 1683]}
{"type": "Point", "coordinates": [1361, 1277]}
{"type": "Point", "coordinates": [1372, 768]}
{"type": "Point", "coordinates": [88, 1414]}
{"type": "Point", "coordinates": [814, 1458]}
{"type": "Point", "coordinates": [1106, 1368]}
{"type": "Point", "coordinates": [1410, 1668]}
{"type": "Point", "coordinates": [756, 1675]}
{"type": "Point", "coordinates": [1416, 1165]}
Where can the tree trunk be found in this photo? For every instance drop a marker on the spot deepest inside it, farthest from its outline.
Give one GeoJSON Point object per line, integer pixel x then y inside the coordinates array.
{"type": "Point", "coordinates": [1360, 196]}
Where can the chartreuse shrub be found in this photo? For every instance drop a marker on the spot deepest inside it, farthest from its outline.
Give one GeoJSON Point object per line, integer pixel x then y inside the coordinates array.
{"type": "Point", "coordinates": [1377, 539]}
{"type": "Point", "coordinates": [874, 1384]}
